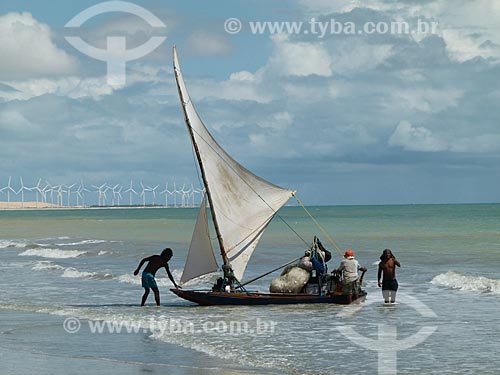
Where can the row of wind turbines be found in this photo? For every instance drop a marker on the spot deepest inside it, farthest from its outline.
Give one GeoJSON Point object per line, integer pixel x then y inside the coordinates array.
{"type": "Point", "coordinates": [105, 195]}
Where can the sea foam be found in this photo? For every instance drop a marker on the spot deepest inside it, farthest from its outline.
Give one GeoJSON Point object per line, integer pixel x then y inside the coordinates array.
{"type": "Point", "coordinates": [83, 242]}
{"type": "Point", "coordinates": [52, 253]}
{"type": "Point", "coordinates": [46, 265]}
{"type": "Point", "coordinates": [8, 243]}
{"type": "Point", "coordinates": [75, 274]}
{"type": "Point", "coordinates": [468, 283]}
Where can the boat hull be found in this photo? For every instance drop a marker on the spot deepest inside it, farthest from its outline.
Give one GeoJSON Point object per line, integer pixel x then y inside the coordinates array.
{"type": "Point", "coordinates": [206, 298]}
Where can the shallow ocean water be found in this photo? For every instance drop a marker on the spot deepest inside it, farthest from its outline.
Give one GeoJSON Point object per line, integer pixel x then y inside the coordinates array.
{"type": "Point", "coordinates": [79, 263]}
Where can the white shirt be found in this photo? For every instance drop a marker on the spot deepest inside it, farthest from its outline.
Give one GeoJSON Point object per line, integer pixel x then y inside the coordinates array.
{"type": "Point", "coordinates": [349, 268]}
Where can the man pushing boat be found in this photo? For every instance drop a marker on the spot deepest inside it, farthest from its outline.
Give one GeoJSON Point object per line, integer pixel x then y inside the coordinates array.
{"type": "Point", "coordinates": [349, 268]}
{"type": "Point", "coordinates": [155, 262]}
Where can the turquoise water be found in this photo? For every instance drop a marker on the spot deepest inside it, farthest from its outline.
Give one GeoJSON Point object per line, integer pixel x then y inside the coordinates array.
{"type": "Point", "coordinates": [79, 263]}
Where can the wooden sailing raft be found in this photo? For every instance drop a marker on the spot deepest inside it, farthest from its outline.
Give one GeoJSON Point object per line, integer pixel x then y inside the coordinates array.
{"type": "Point", "coordinates": [242, 205]}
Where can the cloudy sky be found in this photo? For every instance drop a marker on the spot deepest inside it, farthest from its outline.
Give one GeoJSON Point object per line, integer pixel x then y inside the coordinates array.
{"type": "Point", "coordinates": [342, 117]}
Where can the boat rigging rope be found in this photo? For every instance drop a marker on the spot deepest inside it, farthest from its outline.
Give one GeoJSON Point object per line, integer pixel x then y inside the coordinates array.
{"type": "Point", "coordinates": [318, 225]}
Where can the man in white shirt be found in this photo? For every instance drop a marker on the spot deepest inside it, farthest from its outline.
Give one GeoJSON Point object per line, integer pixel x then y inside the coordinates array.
{"type": "Point", "coordinates": [349, 268]}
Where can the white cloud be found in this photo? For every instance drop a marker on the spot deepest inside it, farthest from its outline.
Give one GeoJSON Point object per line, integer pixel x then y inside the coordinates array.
{"type": "Point", "coordinates": [78, 87]}
{"type": "Point", "coordinates": [14, 123]}
{"type": "Point", "coordinates": [352, 56]}
{"type": "Point", "coordinates": [73, 87]}
{"type": "Point", "coordinates": [427, 99]}
{"type": "Point", "coordinates": [28, 51]}
{"type": "Point", "coordinates": [464, 45]}
{"type": "Point", "coordinates": [299, 58]}
{"type": "Point", "coordinates": [414, 138]}
{"type": "Point", "coordinates": [464, 25]}
{"type": "Point", "coordinates": [208, 44]}
{"type": "Point", "coordinates": [241, 85]}
{"type": "Point", "coordinates": [278, 121]}
{"type": "Point", "coordinates": [344, 6]}
{"type": "Point", "coordinates": [13, 119]}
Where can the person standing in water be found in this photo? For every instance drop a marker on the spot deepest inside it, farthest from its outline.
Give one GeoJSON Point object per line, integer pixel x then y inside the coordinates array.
{"type": "Point", "coordinates": [349, 268]}
{"type": "Point", "coordinates": [387, 276]}
{"type": "Point", "coordinates": [155, 262]}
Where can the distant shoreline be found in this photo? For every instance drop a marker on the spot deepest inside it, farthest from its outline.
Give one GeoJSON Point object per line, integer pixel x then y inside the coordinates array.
{"type": "Point", "coordinates": [30, 206]}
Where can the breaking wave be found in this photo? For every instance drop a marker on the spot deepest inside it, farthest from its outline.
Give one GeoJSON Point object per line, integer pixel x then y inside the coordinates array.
{"type": "Point", "coordinates": [83, 242]}
{"type": "Point", "coordinates": [52, 253]}
{"type": "Point", "coordinates": [457, 281]}
{"type": "Point", "coordinates": [8, 243]}
{"type": "Point", "coordinates": [69, 272]}
{"type": "Point", "coordinates": [73, 273]}
{"type": "Point", "coordinates": [46, 265]}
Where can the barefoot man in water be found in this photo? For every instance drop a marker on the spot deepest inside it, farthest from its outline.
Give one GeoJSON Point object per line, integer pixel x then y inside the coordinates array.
{"type": "Point", "coordinates": [387, 268]}
{"type": "Point", "coordinates": [155, 262]}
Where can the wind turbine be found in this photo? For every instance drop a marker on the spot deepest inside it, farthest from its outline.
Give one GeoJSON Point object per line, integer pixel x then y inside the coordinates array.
{"type": "Point", "coordinates": [79, 192]}
{"type": "Point", "coordinates": [38, 190]}
{"type": "Point", "coordinates": [104, 196]}
{"type": "Point", "coordinates": [79, 196]}
{"type": "Point", "coordinates": [175, 195]}
{"type": "Point", "coordinates": [201, 192]}
{"type": "Point", "coordinates": [119, 193]}
{"type": "Point", "coordinates": [2, 190]}
{"type": "Point", "coordinates": [49, 188]}
{"type": "Point", "coordinates": [130, 190]}
{"type": "Point", "coordinates": [183, 196]}
{"type": "Point", "coordinates": [116, 193]}
{"type": "Point", "coordinates": [69, 192]}
{"type": "Point", "coordinates": [99, 190]}
{"type": "Point", "coordinates": [59, 194]}
{"type": "Point", "coordinates": [154, 193]}
{"type": "Point", "coordinates": [143, 194]}
{"type": "Point", "coordinates": [193, 193]}
{"type": "Point", "coordinates": [21, 190]}
{"type": "Point", "coordinates": [166, 194]}
{"type": "Point", "coordinates": [9, 189]}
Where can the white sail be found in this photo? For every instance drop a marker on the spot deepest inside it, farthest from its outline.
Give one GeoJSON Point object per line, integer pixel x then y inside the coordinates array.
{"type": "Point", "coordinates": [201, 259]}
{"type": "Point", "coordinates": [243, 203]}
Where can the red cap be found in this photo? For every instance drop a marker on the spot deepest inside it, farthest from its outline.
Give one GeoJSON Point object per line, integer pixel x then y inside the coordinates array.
{"type": "Point", "coordinates": [349, 253]}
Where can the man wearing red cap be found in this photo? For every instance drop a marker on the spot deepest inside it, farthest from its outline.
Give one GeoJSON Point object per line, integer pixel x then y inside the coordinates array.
{"type": "Point", "coordinates": [349, 268]}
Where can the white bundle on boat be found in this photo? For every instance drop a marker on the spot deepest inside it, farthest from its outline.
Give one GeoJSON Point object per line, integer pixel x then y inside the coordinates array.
{"type": "Point", "coordinates": [292, 280]}
{"type": "Point", "coordinates": [305, 263]}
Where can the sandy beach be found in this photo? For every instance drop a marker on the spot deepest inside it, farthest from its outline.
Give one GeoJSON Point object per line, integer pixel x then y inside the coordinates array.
{"type": "Point", "coordinates": [28, 205]}
{"type": "Point", "coordinates": [14, 206]}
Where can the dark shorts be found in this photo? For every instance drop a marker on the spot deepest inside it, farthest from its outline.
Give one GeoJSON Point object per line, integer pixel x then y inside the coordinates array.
{"type": "Point", "coordinates": [390, 285]}
{"type": "Point", "coordinates": [350, 288]}
{"type": "Point", "coordinates": [148, 280]}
